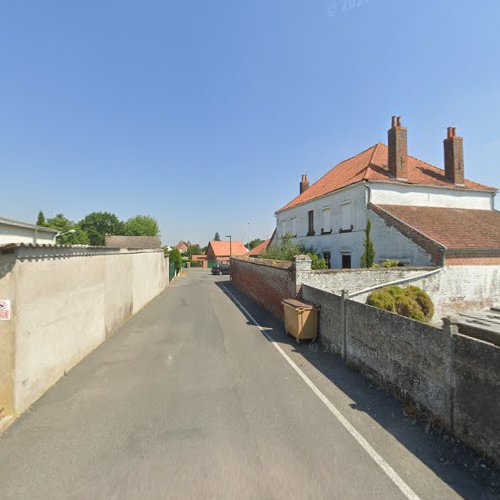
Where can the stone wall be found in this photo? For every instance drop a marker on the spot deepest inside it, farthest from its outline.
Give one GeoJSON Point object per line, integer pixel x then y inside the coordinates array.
{"type": "Point", "coordinates": [453, 377]}
{"type": "Point", "coordinates": [353, 280]}
{"type": "Point", "coordinates": [65, 302]}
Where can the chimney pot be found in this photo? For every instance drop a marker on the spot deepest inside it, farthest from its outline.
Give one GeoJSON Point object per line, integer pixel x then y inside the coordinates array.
{"type": "Point", "coordinates": [304, 183]}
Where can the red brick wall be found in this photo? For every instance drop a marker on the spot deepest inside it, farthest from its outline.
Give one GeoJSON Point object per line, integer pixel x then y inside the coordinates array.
{"type": "Point", "coordinates": [471, 259]}
{"type": "Point", "coordinates": [265, 282]}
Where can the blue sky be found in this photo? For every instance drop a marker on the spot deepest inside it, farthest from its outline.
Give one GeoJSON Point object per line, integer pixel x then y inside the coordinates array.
{"type": "Point", "coordinates": [205, 114]}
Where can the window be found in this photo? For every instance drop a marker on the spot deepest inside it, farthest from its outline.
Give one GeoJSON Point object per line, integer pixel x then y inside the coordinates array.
{"type": "Point", "coordinates": [346, 261]}
{"type": "Point", "coordinates": [328, 258]}
{"type": "Point", "coordinates": [346, 217]}
{"type": "Point", "coordinates": [327, 227]}
{"type": "Point", "coordinates": [283, 227]}
{"type": "Point", "coordinates": [293, 225]}
{"type": "Point", "coordinates": [311, 223]}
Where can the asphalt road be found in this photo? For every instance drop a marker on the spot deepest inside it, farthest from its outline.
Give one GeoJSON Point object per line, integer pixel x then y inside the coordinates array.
{"type": "Point", "coordinates": [191, 400]}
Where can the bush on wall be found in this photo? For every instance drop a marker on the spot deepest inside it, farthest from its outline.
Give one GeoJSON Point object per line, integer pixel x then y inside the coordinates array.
{"type": "Point", "coordinates": [411, 302]}
{"type": "Point", "coordinates": [286, 250]}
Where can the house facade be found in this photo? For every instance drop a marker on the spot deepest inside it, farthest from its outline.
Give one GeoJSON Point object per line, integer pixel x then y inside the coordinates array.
{"type": "Point", "coordinates": [221, 251]}
{"type": "Point", "coordinates": [416, 209]}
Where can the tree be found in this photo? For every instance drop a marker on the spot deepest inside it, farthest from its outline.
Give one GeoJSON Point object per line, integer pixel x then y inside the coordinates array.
{"type": "Point", "coordinates": [368, 256]}
{"type": "Point", "coordinates": [40, 221]}
{"type": "Point", "coordinates": [98, 224]}
{"type": "Point", "coordinates": [141, 225]}
{"type": "Point", "coordinates": [193, 250]}
{"type": "Point", "coordinates": [216, 237]}
{"type": "Point", "coordinates": [252, 244]}
{"type": "Point", "coordinates": [63, 225]}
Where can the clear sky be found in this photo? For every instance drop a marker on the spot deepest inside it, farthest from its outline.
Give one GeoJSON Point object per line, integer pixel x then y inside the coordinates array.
{"type": "Point", "coordinates": [205, 114]}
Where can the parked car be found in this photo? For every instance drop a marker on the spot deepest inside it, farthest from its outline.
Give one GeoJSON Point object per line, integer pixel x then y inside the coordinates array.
{"type": "Point", "coordinates": [221, 269]}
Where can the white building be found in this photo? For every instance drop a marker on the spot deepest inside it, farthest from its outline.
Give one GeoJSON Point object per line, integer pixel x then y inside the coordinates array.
{"type": "Point", "coordinates": [12, 231]}
{"type": "Point", "coordinates": [421, 214]}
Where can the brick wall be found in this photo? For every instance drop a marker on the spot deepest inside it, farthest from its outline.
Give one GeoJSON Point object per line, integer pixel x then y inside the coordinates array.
{"type": "Point", "coordinates": [267, 282]}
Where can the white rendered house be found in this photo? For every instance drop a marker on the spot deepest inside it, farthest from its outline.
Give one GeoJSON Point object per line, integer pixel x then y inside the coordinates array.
{"type": "Point", "coordinates": [421, 214]}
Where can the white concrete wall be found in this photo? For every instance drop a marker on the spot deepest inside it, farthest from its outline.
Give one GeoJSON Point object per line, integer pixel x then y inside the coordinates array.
{"type": "Point", "coordinates": [389, 243]}
{"type": "Point", "coordinates": [66, 304]}
{"type": "Point", "coordinates": [15, 234]}
{"type": "Point", "coordinates": [422, 196]}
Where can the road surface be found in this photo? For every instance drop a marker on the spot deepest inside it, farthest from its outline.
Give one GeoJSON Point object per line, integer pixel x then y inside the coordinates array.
{"type": "Point", "coordinates": [190, 399]}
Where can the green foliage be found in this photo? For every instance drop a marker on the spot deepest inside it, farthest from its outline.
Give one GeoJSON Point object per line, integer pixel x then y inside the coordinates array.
{"type": "Point", "coordinates": [216, 237]}
{"type": "Point", "coordinates": [368, 256]}
{"type": "Point", "coordinates": [407, 306]}
{"type": "Point", "coordinates": [194, 250]}
{"type": "Point", "coordinates": [252, 244]}
{"type": "Point", "coordinates": [286, 250]}
{"type": "Point", "coordinates": [317, 262]}
{"type": "Point", "coordinates": [63, 225]}
{"type": "Point", "coordinates": [98, 224]}
{"type": "Point", "coordinates": [141, 225]}
{"type": "Point", "coordinates": [411, 302]}
{"type": "Point", "coordinates": [176, 258]}
{"type": "Point", "coordinates": [40, 221]}
{"type": "Point", "coordinates": [388, 263]}
{"type": "Point", "coordinates": [382, 299]}
{"type": "Point", "coordinates": [422, 299]}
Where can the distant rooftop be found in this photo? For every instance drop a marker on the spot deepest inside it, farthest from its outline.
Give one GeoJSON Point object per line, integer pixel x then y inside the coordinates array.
{"type": "Point", "coordinates": [26, 225]}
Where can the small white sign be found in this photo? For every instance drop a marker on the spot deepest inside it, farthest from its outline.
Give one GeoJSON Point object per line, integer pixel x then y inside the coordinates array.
{"type": "Point", "coordinates": [4, 309]}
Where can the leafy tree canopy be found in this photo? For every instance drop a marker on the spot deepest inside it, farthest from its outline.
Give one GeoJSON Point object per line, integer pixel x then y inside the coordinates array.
{"type": "Point", "coordinates": [141, 225]}
{"type": "Point", "coordinates": [194, 250]}
{"type": "Point", "coordinates": [217, 237]}
{"type": "Point", "coordinates": [63, 225]}
{"type": "Point", "coordinates": [98, 224]}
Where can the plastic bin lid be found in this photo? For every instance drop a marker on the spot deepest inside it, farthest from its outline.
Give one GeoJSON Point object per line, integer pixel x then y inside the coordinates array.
{"type": "Point", "coordinates": [298, 304]}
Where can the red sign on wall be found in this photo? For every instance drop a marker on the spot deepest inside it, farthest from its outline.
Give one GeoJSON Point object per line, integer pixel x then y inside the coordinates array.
{"type": "Point", "coordinates": [4, 309]}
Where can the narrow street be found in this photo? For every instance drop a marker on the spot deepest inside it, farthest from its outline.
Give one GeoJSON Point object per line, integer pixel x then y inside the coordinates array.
{"type": "Point", "coordinates": [190, 399]}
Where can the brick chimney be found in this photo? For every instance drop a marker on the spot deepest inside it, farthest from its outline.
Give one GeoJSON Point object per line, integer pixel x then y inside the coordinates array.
{"type": "Point", "coordinates": [304, 184]}
{"type": "Point", "coordinates": [398, 149]}
{"type": "Point", "coordinates": [454, 157]}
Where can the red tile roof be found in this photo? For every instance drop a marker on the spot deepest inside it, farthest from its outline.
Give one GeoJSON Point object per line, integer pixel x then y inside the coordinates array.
{"type": "Point", "coordinates": [221, 248]}
{"type": "Point", "coordinates": [454, 228]}
{"type": "Point", "coordinates": [259, 249]}
{"type": "Point", "coordinates": [372, 165]}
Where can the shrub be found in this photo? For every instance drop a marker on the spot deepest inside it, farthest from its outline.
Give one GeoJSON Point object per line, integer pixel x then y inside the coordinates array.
{"type": "Point", "coordinates": [388, 263]}
{"type": "Point", "coordinates": [382, 299]}
{"type": "Point", "coordinates": [407, 306]}
{"type": "Point", "coordinates": [411, 302]}
{"type": "Point", "coordinates": [423, 300]}
{"type": "Point", "coordinates": [176, 258]}
{"type": "Point", "coordinates": [286, 250]}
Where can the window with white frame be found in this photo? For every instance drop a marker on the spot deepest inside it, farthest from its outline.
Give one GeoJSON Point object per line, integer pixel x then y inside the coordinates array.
{"type": "Point", "coordinates": [326, 222]}
{"type": "Point", "coordinates": [346, 216]}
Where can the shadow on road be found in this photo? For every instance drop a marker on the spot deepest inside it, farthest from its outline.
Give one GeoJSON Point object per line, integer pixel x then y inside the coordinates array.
{"type": "Point", "coordinates": [461, 468]}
